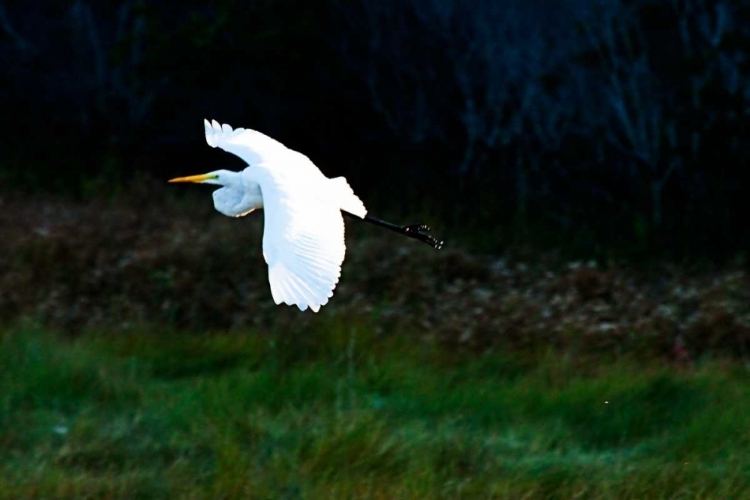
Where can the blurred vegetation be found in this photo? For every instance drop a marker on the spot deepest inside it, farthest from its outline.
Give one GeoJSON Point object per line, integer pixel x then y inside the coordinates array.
{"type": "Point", "coordinates": [155, 260]}
{"type": "Point", "coordinates": [619, 123]}
{"type": "Point", "coordinates": [341, 411]}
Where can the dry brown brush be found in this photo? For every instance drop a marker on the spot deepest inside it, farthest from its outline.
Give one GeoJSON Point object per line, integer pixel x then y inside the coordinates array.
{"type": "Point", "coordinates": [115, 266]}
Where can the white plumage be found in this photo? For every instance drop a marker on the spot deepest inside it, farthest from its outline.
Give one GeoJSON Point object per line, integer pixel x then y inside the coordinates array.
{"type": "Point", "coordinates": [303, 235]}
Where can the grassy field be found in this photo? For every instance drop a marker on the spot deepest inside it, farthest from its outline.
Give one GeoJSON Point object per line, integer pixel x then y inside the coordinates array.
{"type": "Point", "coordinates": [344, 413]}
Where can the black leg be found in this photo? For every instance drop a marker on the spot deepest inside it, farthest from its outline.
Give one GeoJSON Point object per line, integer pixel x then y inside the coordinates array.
{"type": "Point", "coordinates": [416, 231]}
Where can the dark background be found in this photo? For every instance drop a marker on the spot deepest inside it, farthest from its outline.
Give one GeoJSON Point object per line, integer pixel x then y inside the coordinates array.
{"type": "Point", "coordinates": [602, 126]}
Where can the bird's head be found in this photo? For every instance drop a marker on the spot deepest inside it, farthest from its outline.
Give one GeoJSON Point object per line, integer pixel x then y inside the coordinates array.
{"type": "Point", "coordinates": [218, 177]}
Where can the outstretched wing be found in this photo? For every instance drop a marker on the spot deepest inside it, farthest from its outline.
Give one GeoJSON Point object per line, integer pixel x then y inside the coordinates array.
{"type": "Point", "coordinates": [303, 240]}
{"type": "Point", "coordinates": [250, 145]}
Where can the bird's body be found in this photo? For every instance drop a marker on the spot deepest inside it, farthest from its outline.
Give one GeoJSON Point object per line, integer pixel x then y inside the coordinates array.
{"type": "Point", "coordinates": [303, 236]}
{"type": "Point", "coordinates": [287, 170]}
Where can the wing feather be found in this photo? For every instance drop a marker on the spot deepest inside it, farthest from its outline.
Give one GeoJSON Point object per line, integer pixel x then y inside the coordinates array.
{"type": "Point", "coordinates": [252, 146]}
{"type": "Point", "coordinates": [303, 240]}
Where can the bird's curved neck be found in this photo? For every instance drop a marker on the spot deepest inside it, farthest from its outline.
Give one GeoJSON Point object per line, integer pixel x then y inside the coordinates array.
{"type": "Point", "coordinates": [232, 180]}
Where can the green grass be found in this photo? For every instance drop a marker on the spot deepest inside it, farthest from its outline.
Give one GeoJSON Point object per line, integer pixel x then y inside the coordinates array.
{"type": "Point", "coordinates": [343, 413]}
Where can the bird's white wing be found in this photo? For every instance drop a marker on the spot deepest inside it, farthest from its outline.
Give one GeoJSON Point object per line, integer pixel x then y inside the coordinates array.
{"type": "Point", "coordinates": [303, 241]}
{"type": "Point", "coordinates": [250, 145]}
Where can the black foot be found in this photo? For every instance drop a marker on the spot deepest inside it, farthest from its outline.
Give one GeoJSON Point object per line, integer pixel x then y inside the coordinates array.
{"type": "Point", "coordinates": [419, 232]}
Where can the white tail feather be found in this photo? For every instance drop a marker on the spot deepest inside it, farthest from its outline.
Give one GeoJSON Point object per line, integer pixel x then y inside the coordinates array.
{"type": "Point", "coordinates": [349, 201]}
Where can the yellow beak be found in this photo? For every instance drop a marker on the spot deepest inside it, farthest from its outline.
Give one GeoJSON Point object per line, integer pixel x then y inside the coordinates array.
{"type": "Point", "coordinates": [194, 178]}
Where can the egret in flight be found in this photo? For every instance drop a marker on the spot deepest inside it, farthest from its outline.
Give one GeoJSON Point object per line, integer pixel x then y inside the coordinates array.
{"type": "Point", "coordinates": [303, 235]}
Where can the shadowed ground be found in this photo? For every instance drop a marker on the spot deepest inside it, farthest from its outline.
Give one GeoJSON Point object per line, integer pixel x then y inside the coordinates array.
{"type": "Point", "coordinates": [148, 258]}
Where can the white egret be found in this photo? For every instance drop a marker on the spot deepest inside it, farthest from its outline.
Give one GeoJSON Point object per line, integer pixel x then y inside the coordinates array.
{"type": "Point", "coordinates": [303, 236]}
